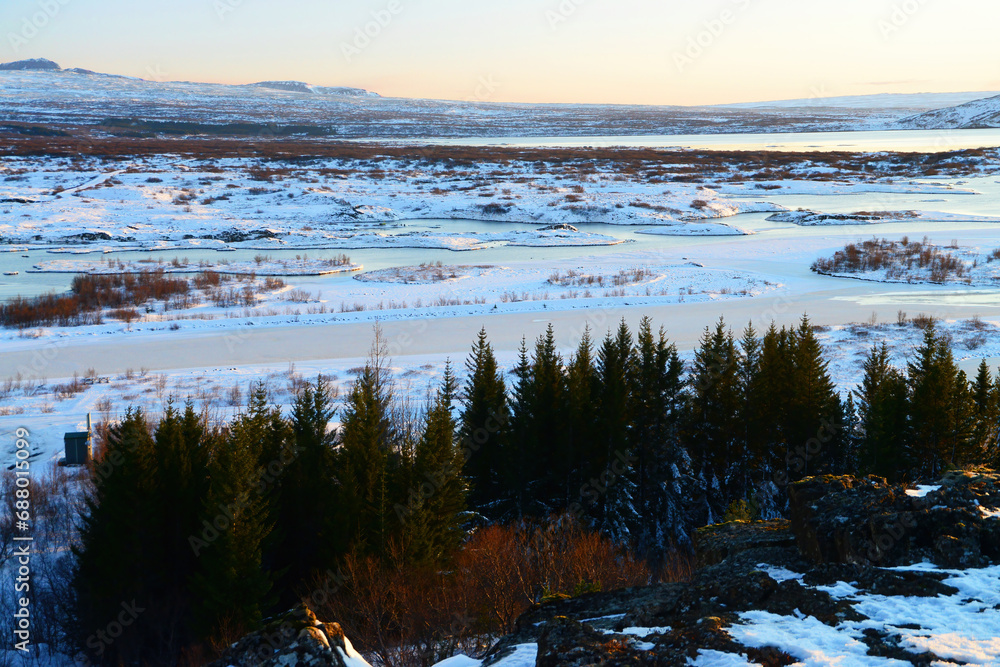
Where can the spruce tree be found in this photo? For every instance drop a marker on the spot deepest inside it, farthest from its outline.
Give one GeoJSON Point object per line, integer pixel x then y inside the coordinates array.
{"type": "Point", "coordinates": [611, 487]}
{"type": "Point", "coordinates": [581, 419]}
{"type": "Point", "coordinates": [369, 457]}
{"type": "Point", "coordinates": [516, 470]}
{"type": "Point", "coordinates": [306, 507]}
{"type": "Point", "coordinates": [436, 504]}
{"type": "Point", "coordinates": [117, 542]}
{"type": "Point", "coordinates": [540, 403]}
{"type": "Point", "coordinates": [662, 465]}
{"type": "Point", "coordinates": [714, 421]}
{"type": "Point", "coordinates": [483, 428]}
{"type": "Point", "coordinates": [752, 443]}
{"type": "Point", "coordinates": [882, 416]}
{"type": "Point", "coordinates": [815, 417]}
{"type": "Point", "coordinates": [232, 587]}
{"type": "Point", "coordinates": [986, 419]}
{"type": "Point", "coordinates": [180, 484]}
{"type": "Point", "coordinates": [940, 408]}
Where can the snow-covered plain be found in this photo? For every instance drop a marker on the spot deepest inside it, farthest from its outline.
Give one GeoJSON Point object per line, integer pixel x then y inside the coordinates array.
{"type": "Point", "coordinates": [167, 204]}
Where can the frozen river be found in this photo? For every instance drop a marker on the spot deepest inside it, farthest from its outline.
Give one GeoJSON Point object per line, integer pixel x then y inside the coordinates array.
{"type": "Point", "coordinates": [778, 252]}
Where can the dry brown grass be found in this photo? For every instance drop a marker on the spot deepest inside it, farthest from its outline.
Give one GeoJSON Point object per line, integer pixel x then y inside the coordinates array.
{"type": "Point", "coordinates": [654, 164]}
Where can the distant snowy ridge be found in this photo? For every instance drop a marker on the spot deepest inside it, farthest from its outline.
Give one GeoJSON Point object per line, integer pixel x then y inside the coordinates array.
{"type": "Point", "coordinates": [882, 101]}
{"type": "Point", "coordinates": [984, 113]}
{"type": "Point", "coordinates": [33, 64]}
{"type": "Point", "coordinates": [301, 87]}
{"type": "Point", "coordinates": [46, 65]}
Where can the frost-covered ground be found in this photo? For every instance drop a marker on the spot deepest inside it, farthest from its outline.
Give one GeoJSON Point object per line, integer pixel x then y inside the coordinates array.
{"type": "Point", "coordinates": [415, 291]}
{"type": "Point", "coordinates": [159, 203]}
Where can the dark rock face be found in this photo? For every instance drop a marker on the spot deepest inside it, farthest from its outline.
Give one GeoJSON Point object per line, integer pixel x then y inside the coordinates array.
{"type": "Point", "coordinates": [87, 237]}
{"type": "Point", "coordinates": [715, 544]}
{"type": "Point", "coordinates": [295, 638]}
{"type": "Point", "coordinates": [869, 522]}
{"type": "Point", "coordinates": [238, 236]}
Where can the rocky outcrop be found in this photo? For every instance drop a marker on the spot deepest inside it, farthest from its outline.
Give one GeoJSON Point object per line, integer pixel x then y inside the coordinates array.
{"type": "Point", "coordinates": [714, 544]}
{"type": "Point", "coordinates": [788, 568]}
{"type": "Point", "coordinates": [296, 638]}
{"type": "Point", "coordinates": [816, 566]}
{"type": "Point", "coordinates": [239, 236]}
{"type": "Point", "coordinates": [870, 522]}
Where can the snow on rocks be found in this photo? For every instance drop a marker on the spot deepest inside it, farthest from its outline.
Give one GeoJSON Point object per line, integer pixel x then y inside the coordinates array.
{"type": "Point", "coordinates": [922, 490]}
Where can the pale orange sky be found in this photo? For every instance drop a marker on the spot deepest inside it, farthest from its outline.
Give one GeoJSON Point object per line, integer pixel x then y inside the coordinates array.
{"type": "Point", "coordinates": [607, 51]}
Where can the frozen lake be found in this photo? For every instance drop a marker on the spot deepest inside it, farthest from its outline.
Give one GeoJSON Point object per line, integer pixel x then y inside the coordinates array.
{"type": "Point", "coordinates": [924, 141]}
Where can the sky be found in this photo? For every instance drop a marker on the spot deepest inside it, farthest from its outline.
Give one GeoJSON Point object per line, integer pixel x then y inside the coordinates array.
{"type": "Point", "coordinates": [686, 52]}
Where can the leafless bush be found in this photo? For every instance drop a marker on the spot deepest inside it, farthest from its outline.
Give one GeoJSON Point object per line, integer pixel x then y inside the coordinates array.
{"type": "Point", "coordinates": [414, 616]}
{"type": "Point", "coordinates": [899, 259]}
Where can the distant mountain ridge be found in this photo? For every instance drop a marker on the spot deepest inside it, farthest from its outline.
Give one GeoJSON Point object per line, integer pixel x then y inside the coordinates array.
{"type": "Point", "coordinates": [301, 87]}
{"type": "Point", "coordinates": [46, 65]}
{"type": "Point", "coordinates": [33, 64]}
{"type": "Point", "coordinates": [978, 114]}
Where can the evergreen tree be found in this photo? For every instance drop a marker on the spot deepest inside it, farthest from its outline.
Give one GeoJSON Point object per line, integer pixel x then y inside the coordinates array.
{"type": "Point", "coordinates": [540, 398]}
{"type": "Point", "coordinates": [986, 417]}
{"type": "Point", "coordinates": [483, 428]}
{"type": "Point", "coordinates": [231, 586]}
{"type": "Point", "coordinates": [515, 472]}
{"type": "Point", "coordinates": [940, 408]}
{"type": "Point", "coordinates": [815, 418]}
{"type": "Point", "coordinates": [752, 444]}
{"type": "Point", "coordinates": [302, 479]}
{"type": "Point", "coordinates": [773, 394]}
{"type": "Point", "coordinates": [449, 384]}
{"type": "Point", "coordinates": [882, 416]}
{"type": "Point", "coordinates": [117, 542]}
{"type": "Point", "coordinates": [611, 488]}
{"type": "Point", "coordinates": [181, 457]}
{"type": "Point", "coordinates": [434, 514]}
{"type": "Point", "coordinates": [369, 457]}
{"type": "Point", "coordinates": [662, 466]}
{"type": "Point", "coordinates": [581, 418]}
{"type": "Point", "coordinates": [714, 421]}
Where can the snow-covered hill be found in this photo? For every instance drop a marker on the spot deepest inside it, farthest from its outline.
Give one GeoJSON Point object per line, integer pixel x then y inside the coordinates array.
{"type": "Point", "coordinates": [309, 89]}
{"type": "Point", "coordinates": [984, 113]}
{"type": "Point", "coordinates": [900, 101]}
{"type": "Point", "coordinates": [33, 64]}
{"type": "Point", "coordinates": [40, 92]}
